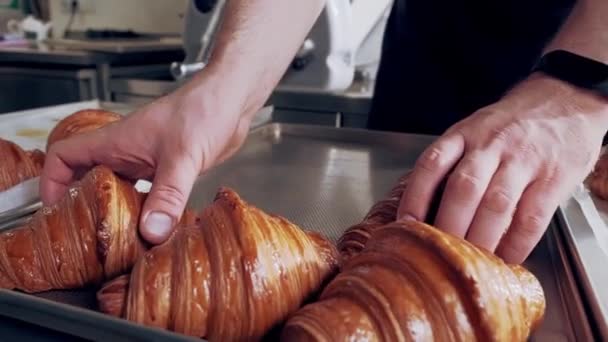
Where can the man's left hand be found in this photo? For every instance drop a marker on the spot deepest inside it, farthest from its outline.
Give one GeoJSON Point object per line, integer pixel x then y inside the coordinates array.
{"type": "Point", "coordinates": [509, 165]}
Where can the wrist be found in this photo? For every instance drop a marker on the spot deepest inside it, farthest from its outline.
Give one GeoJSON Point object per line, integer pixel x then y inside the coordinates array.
{"type": "Point", "coordinates": [233, 89]}
{"type": "Point", "coordinates": [546, 94]}
{"type": "Point", "coordinates": [212, 91]}
{"type": "Point", "coordinates": [571, 97]}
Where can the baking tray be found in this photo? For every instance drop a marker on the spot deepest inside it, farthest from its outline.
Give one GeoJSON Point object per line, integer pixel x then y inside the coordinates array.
{"type": "Point", "coordinates": [323, 179]}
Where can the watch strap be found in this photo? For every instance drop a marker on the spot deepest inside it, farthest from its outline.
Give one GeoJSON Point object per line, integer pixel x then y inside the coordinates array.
{"type": "Point", "coordinates": [575, 69]}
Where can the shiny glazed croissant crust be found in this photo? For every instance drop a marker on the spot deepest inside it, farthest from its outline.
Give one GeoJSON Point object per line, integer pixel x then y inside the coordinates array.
{"type": "Point", "coordinates": [80, 122]}
{"type": "Point", "coordinates": [236, 275]}
{"type": "Point", "coordinates": [17, 165]}
{"type": "Point", "coordinates": [90, 235]}
{"type": "Point", "coordinates": [413, 282]}
{"type": "Point", "coordinates": [385, 211]}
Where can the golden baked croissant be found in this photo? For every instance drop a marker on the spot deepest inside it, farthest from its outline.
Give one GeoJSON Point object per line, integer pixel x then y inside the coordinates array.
{"type": "Point", "coordinates": [598, 179]}
{"type": "Point", "coordinates": [385, 211]}
{"type": "Point", "coordinates": [90, 235]}
{"type": "Point", "coordinates": [413, 282]}
{"type": "Point", "coordinates": [80, 122]}
{"type": "Point", "coordinates": [234, 276]}
{"type": "Point", "coordinates": [17, 165]}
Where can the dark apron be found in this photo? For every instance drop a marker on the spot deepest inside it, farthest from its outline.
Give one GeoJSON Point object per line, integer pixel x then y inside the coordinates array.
{"type": "Point", "coordinates": [444, 59]}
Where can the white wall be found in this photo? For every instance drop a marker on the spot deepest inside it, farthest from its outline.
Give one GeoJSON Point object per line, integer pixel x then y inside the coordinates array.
{"type": "Point", "coordinates": [149, 16]}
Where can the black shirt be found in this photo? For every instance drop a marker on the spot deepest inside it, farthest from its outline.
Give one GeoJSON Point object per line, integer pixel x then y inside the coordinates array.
{"type": "Point", "coordinates": [444, 59]}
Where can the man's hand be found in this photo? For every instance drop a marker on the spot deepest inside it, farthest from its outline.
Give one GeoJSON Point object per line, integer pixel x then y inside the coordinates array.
{"type": "Point", "coordinates": [168, 142]}
{"type": "Point", "coordinates": [509, 165]}
{"type": "Point", "coordinates": [175, 138]}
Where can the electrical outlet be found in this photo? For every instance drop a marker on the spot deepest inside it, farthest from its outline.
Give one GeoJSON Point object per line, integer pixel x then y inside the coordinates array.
{"type": "Point", "coordinates": [84, 6]}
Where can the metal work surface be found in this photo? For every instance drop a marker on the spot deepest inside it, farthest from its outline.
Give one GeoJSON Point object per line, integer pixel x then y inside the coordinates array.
{"type": "Point", "coordinates": [323, 179]}
{"type": "Point", "coordinates": [45, 53]}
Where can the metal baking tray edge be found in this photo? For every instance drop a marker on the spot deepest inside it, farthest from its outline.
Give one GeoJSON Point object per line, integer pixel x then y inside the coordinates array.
{"type": "Point", "coordinates": [572, 295]}
{"type": "Point", "coordinates": [78, 321]}
{"type": "Point", "coordinates": [590, 264]}
{"type": "Point", "coordinates": [89, 324]}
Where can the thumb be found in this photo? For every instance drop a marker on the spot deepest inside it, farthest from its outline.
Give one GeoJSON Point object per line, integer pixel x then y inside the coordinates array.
{"type": "Point", "coordinates": [167, 199]}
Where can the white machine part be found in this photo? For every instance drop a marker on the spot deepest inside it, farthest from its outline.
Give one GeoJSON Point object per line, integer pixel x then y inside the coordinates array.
{"type": "Point", "coordinates": [346, 39]}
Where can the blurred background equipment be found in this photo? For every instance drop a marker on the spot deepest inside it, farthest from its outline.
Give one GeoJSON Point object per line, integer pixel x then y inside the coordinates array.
{"type": "Point", "coordinates": [62, 51]}
{"type": "Point", "coordinates": [135, 51]}
{"type": "Point", "coordinates": [330, 81]}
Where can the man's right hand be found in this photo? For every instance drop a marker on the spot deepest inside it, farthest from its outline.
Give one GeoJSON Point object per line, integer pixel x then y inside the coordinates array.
{"type": "Point", "coordinates": [169, 142]}
{"type": "Point", "coordinates": [175, 138]}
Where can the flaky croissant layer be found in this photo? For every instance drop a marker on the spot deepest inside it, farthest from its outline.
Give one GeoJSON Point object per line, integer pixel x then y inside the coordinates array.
{"type": "Point", "coordinates": [17, 165]}
{"type": "Point", "coordinates": [233, 277]}
{"type": "Point", "coordinates": [413, 282]}
{"type": "Point", "coordinates": [89, 235]}
{"type": "Point", "coordinates": [383, 212]}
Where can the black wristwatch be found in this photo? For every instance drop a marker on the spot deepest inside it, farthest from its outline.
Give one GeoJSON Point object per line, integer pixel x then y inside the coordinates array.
{"type": "Point", "coordinates": [575, 69]}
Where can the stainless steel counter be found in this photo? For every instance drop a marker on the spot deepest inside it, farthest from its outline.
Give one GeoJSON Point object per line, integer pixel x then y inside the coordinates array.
{"type": "Point", "coordinates": [41, 53]}
{"type": "Point", "coordinates": [41, 75]}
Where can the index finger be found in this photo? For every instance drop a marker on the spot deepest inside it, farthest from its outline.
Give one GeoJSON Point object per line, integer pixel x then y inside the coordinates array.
{"type": "Point", "coordinates": [64, 159]}
{"type": "Point", "coordinates": [430, 169]}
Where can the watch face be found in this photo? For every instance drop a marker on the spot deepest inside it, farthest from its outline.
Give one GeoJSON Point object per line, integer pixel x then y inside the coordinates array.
{"type": "Point", "coordinates": [578, 70]}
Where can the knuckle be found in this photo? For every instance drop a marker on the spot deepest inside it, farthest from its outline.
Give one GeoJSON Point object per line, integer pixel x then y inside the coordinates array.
{"type": "Point", "coordinates": [523, 153]}
{"type": "Point", "coordinates": [170, 197]}
{"type": "Point", "coordinates": [551, 176]}
{"type": "Point", "coordinates": [527, 149]}
{"type": "Point", "coordinates": [464, 182]}
{"type": "Point", "coordinates": [499, 200]}
{"type": "Point", "coordinates": [507, 135]}
{"type": "Point", "coordinates": [530, 225]}
{"type": "Point", "coordinates": [432, 159]}
{"type": "Point", "coordinates": [501, 134]}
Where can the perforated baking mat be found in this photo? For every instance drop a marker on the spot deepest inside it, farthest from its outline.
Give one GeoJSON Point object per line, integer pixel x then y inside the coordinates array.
{"type": "Point", "coordinates": [323, 179]}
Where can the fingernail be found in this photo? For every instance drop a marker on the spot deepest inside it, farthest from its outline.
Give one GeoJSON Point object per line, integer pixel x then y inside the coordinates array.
{"type": "Point", "coordinates": [407, 217]}
{"type": "Point", "coordinates": [158, 225]}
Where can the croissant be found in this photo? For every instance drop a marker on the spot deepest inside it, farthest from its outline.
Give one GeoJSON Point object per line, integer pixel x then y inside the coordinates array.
{"type": "Point", "coordinates": [90, 235]}
{"type": "Point", "coordinates": [413, 282]}
{"type": "Point", "coordinates": [598, 179]}
{"type": "Point", "coordinates": [80, 122]}
{"type": "Point", "coordinates": [385, 211]}
{"type": "Point", "coordinates": [18, 165]}
{"type": "Point", "coordinates": [234, 276]}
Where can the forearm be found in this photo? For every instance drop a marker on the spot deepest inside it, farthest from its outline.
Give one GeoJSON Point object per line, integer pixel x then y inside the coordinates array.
{"type": "Point", "coordinates": [255, 44]}
{"type": "Point", "coordinates": [586, 31]}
